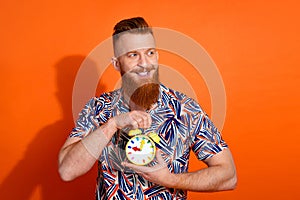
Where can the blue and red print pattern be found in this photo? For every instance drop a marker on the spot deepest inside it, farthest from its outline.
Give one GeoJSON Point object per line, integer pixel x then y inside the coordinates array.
{"type": "Point", "coordinates": [181, 125]}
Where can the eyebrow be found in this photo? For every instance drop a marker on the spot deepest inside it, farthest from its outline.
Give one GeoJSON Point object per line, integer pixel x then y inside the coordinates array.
{"type": "Point", "coordinates": [136, 51]}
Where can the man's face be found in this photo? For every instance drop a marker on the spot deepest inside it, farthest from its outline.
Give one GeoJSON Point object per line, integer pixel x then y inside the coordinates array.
{"type": "Point", "coordinates": [141, 66]}
{"type": "Point", "coordinates": [139, 58]}
{"type": "Point", "coordinates": [138, 65]}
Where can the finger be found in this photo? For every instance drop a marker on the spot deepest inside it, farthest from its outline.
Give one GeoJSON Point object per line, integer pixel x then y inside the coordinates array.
{"type": "Point", "coordinates": [141, 118]}
{"type": "Point", "coordinates": [146, 120]}
{"type": "Point", "coordinates": [136, 168]}
{"type": "Point", "coordinates": [160, 159]}
{"type": "Point", "coordinates": [132, 120]}
{"type": "Point", "coordinates": [135, 117]}
{"type": "Point", "coordinates": [134, 124]}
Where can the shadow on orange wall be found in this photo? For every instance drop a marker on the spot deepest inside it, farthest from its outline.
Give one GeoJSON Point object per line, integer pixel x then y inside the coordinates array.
{"type": "Point", "coordinates": [38, 168]}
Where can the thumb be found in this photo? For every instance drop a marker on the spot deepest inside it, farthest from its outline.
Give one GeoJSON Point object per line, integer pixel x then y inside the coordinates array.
{"type": "Point", "coordinates": [159, 158]}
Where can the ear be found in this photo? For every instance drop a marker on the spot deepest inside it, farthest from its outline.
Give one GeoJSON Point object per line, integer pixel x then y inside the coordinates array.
{"type": "Point", "coordinates": [115, 63]}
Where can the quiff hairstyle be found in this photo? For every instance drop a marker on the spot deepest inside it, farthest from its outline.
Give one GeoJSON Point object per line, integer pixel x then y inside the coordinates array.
{"type": "Point", "coordinates": [136, 25]}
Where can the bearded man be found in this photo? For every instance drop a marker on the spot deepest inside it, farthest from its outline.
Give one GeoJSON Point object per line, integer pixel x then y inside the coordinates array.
{"type": "Point", "coordinates": [143, 103]}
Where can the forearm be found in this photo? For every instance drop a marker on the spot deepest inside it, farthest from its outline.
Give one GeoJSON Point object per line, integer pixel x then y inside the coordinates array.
{"type": "Point", "coordinates": [214, 178]}
{"type": "Point", "coordinates": [77, 158]}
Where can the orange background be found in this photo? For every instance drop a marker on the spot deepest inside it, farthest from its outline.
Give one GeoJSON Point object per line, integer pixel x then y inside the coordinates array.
{"type": "Point", "coordinates": [255, 45]}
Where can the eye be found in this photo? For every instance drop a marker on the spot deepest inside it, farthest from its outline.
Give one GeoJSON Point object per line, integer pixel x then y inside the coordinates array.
{"type": "Point", "coordinates": [151, 52]}
{"type": "Point", "coordinates": [132, 55]}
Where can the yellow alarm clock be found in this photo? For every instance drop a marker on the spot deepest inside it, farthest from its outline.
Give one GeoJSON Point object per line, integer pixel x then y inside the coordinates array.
{"type": "Point", "coordinates": [140, 149]}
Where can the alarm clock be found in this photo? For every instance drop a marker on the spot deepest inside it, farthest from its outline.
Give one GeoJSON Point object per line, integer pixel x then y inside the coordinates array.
{"type": "Point", "coordinates": [140, 149]}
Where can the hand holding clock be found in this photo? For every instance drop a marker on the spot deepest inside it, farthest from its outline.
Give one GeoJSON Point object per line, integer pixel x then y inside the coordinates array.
{"type": "Point", "coordinates": [158, 174]}
{"type": "Point", "coordinates": [134, 119]}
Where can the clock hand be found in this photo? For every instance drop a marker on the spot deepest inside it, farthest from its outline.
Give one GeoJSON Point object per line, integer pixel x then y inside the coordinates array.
{"type": "Point", "coordinates": [136, 149]}
{"type": "Point", "coordinates": [142, 144]}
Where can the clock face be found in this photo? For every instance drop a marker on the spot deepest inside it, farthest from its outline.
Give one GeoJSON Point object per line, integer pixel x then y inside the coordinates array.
{"type": "Point", "coordinates": [140, 150]}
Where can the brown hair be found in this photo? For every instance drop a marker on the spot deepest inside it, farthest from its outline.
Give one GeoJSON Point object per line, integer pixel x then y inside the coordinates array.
{"type": "Point", "coordinates": [135, 25]}
{"type": "Point", "coordinates": [131, 25]}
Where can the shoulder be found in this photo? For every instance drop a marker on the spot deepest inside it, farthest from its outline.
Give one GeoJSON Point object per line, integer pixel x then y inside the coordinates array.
{"type": "Point", "coordinates": [103, 102]}
{"type": "Point", "coordinates": [106, 98]}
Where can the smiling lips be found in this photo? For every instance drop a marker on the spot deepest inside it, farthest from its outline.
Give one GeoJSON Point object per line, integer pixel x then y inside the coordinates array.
{"type": "Point", "coordinates": [143, 73]}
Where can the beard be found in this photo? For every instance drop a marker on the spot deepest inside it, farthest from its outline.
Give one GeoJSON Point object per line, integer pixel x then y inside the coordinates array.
{"type": "Point", "coordinates": [142, 93]}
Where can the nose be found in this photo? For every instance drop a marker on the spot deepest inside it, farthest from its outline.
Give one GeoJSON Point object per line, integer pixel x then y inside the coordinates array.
{"type": "Point", "coordinates": [143, 61]}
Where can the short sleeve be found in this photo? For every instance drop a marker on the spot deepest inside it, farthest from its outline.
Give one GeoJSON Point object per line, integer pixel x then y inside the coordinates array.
{"type": "Point", "coordinates": [206, 139]}
{"type": "Point", "coordinates": [86, 121]}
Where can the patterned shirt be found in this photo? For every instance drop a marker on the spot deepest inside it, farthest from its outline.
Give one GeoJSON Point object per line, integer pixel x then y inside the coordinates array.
{"type": "Point", "coordinates": [181, 125]}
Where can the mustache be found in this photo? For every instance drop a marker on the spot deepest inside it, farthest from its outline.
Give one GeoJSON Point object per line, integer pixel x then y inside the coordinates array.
{"type": "Point", "coordinates": [144, 69]}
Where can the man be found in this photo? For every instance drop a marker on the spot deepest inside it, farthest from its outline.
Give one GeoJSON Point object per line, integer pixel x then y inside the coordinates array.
{"type": "Point", "coordinates": [144, 103]}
